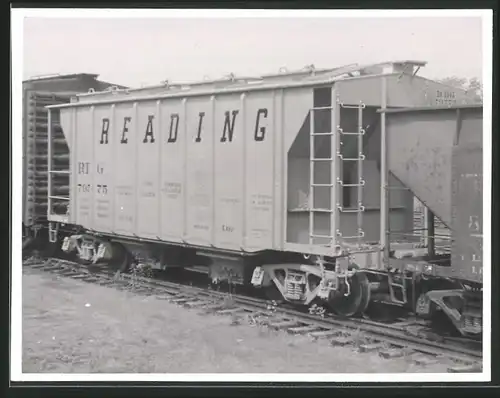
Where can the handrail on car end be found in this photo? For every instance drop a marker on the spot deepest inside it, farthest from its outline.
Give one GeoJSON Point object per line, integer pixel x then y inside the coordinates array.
{"type": "Point", "coordinates": [429, 108]}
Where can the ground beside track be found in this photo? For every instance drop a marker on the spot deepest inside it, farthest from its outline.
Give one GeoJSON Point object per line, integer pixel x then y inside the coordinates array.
{"type": "Point", "coordinates": [75, 327]}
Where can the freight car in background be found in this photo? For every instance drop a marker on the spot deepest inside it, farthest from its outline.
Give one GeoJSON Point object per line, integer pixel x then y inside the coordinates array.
{"type": "Point", "coordinates": [438, 154]}
{"type": "Point", "coordinates": [280, 181]}
{"type": "Point", "coordinates": [39, 92]}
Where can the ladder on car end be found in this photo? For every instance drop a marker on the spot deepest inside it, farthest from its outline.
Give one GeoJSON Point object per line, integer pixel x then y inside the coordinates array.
{"type": "Point", "coordinates": [336, 184]}
{"type": "Point", "coordinates": [58, 195]}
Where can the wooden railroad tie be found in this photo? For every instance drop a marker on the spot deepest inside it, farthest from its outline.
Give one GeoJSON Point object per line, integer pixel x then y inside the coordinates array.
{"type": "Point", "coordinates": [341, 341]}
{"type": "Point", "coordinates": [424, 360]}
{"type": "Point", "coordinates": [80, 276]}
{"type": "Point", "coordinates": [325, 334]}
{"type": "Point", "coordinates": [470, 368]}
{"type": "Point", "coordinates": [371, 347]}
{"type": "Point", "coordinates": [302, 329]}
{"type": "Point", "coordinates": [102, 283]}
{"type": "Point", "coordinates": [195, 304]}
{"type": "Point", "coordinates": [394, 353]}
{"type": "Point", "coordinates": [282, 324]}
{"type": "Point", "coordinates": [180, 300]}
{"type": "Point", "coordinates": [164, 297]}
{"type": "Point", "coordinates": [229, 311]}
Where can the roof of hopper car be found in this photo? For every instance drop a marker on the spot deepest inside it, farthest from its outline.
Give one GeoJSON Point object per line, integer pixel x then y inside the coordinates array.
{"type": "Point", "coordinates": [306, 77]}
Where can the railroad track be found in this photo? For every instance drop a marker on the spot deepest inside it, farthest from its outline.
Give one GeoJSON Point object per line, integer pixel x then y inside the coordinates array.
{"type": "Point", "coordinates": [408, 338]}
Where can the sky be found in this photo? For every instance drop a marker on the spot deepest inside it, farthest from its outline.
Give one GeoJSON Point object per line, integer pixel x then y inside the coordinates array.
{"type": "Point", "coordinates": [136, 52]}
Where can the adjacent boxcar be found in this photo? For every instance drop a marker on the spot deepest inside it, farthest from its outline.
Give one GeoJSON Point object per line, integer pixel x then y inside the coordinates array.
{"type": "Point", "coordinates": [38, 93]}
{"type": "Point", "coordinates": [254, 174]}
{"type": "Point", "coordinates": [437, 153]}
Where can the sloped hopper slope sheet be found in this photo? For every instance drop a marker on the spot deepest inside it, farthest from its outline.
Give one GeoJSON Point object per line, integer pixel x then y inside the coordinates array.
{"type": "Point", "coordinates": [420, 147]}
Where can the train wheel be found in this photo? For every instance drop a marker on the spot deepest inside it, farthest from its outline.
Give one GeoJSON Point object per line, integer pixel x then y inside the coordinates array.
{"type": "Point", "coordinates": [120, 258]}
{"type": "Point", "coordinates": [29, 245]}
{"type": "Point", "coordinates": [272, 293]}
{"type": "Point", "coordinates": [52, 249]}
{"type": "Point", "coordinates": [358, 299]}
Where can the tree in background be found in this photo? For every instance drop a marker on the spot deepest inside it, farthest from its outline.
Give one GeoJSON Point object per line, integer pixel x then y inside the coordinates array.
{"type": "Point", "coordinates": [473, 86]}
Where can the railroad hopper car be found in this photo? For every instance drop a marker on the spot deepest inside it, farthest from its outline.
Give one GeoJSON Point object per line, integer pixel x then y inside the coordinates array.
{"type": "Point", "coordinates": [437, 153]}
{"type": "Point", "coordinates": [38, 93]}
{"type": "Point", "coordinates": [272, 181]}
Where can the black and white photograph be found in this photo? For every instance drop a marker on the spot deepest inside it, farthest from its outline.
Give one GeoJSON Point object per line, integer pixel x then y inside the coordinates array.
{"type": "Point", "coordinates": [251, 195]}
